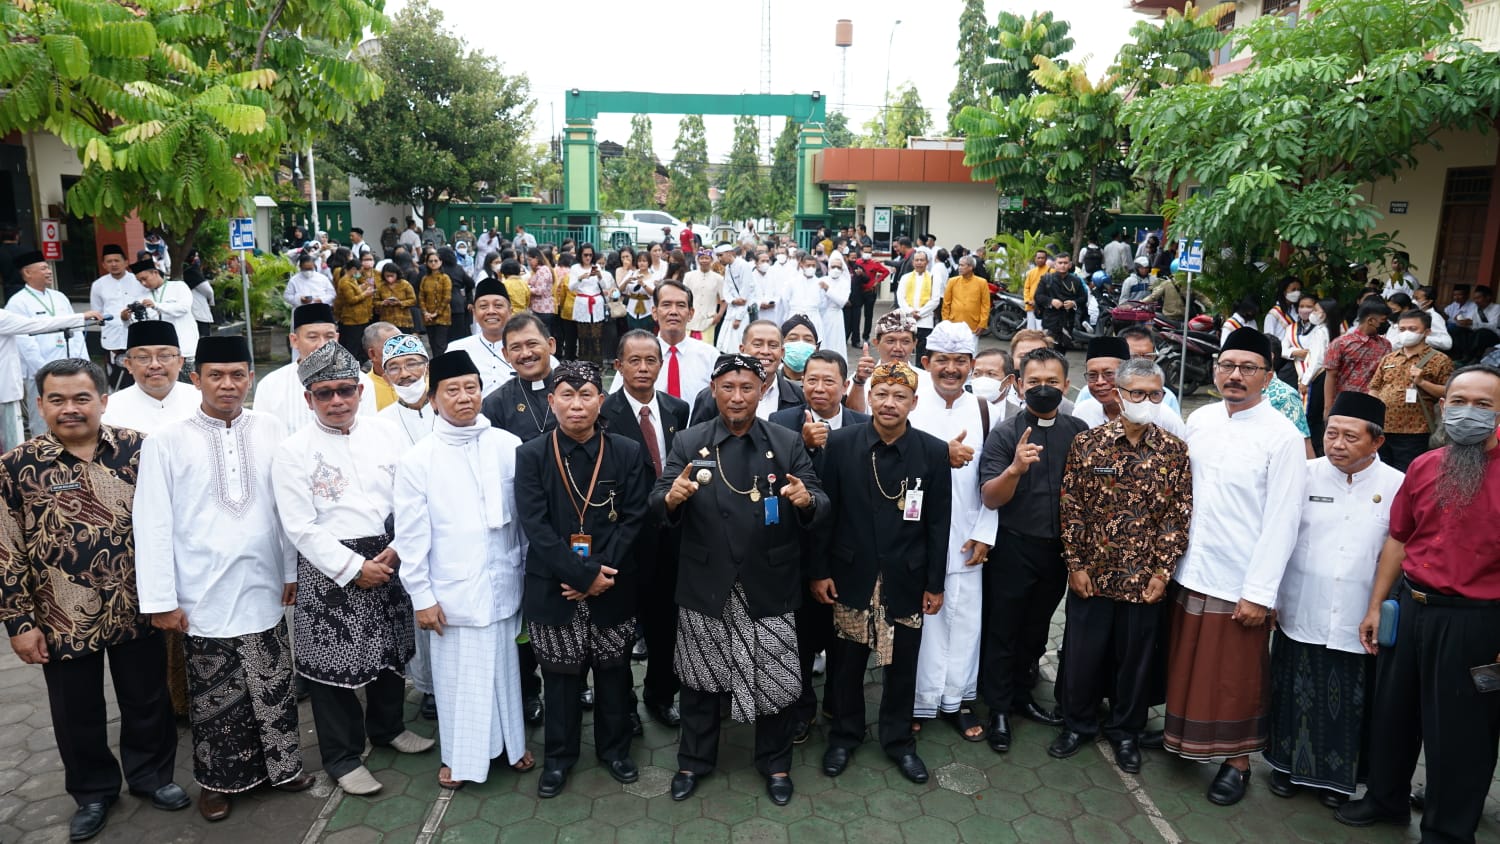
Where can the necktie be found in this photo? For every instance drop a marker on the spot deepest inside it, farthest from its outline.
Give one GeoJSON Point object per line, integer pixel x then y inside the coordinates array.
{"type": "Point", "coordinates": [674, 374]}
{"type": "Point", "coordinates": [648, 433]}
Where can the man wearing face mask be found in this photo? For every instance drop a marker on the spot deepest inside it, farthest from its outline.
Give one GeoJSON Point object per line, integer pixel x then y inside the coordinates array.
{"type": "Point", "coordinates": [1353, 357]}
{"type": "Point", "coordinates": [1021, 470]}
{"type": "Point", "coordinates": [799, 339]}
{"type": "Point", "coordinates": [1444, 552]}
{"type": "Point", "coordinates": [1439, 338]}
{"type": "Point", "coordinates": [802, 293]}
{"type": "Point", "coordinates": [1104, 403]}
{"type": "Point", "coordinates": [990, 380]}
{"type": "Point", "coordinates": [1127, 500]}
{"type": "Point", "coordinates": [1410, 381]}
{"type": "Point", "coordinates": [1025, 341]}
{"type": "Point", "coordinates": [740, 293]}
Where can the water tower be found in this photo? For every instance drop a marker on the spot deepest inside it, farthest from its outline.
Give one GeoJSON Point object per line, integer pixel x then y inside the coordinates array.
{"type": "Point", "coordinates": [843, 38]}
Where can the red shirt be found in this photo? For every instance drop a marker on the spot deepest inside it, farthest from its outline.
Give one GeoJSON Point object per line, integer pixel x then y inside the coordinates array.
{"type": "Point", "coordinates": [875, 272]}
{"type": "Point", "coordinates": [1454, 551]}
{"type": "Point", "coordinates": [1352, 359]}
{"type": "Point", "coordinates": [686, 238]}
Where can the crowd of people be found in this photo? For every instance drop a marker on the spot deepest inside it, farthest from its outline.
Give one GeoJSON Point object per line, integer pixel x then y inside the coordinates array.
{"type": "Point", "coordinates": [746, 504]}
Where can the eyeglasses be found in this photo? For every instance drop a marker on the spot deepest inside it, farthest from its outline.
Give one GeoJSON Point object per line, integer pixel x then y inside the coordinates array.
{"type": "Point", "coordinates": [1141, 395]}
{"type": "Point", "coordinates": [1100, 377]}
{"type": "Point", "coordinates": [1246, 369]}
{"type": "Point", "coordinates": [327, 393]}
{"type": "Point", "coordinates": [163, 358]}
{"type": "Point", "coordinates": [398, 369]}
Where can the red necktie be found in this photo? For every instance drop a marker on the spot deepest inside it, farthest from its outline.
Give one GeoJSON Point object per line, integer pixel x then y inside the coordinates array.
{"type": "Point", "coordinates": [674, 375]}
{"type": "Point", "coordinates": [648, 433]}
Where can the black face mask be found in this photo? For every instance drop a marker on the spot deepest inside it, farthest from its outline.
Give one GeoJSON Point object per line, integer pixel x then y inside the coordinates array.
{"type": "Point", "coordinates": [1043, 398]}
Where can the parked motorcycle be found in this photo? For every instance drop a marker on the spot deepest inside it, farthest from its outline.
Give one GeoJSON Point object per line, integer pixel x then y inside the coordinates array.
{"type": "Point", "coordinates": [1007, 314]}
{"type": "Point", "coordinates": [1202, 346]}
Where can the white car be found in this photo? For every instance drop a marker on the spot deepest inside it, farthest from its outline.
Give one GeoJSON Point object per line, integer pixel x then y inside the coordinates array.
{"type": "Point", "coordinates": [645, 226]}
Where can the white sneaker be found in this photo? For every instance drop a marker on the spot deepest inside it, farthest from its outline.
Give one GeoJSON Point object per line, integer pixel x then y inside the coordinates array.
{"type": "Point", "coordinates": [410, 742]}
{"type": "Point", "coordinates": [359, 781]}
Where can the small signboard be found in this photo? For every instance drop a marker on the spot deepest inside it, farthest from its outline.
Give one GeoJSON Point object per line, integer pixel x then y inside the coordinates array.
{"type": "Point", "coordinates": [51, 240]}
{"type": "Point", "coordinates": [1190, 260]}
{"type": "Point", "coordinates": [882, 220]}
{"type": "Point", "coordinates": [242, 233]}
{"type": "Point", "coordinates": [1398, 207]}
{"type": "Point", "coordinates": [1012, 203]}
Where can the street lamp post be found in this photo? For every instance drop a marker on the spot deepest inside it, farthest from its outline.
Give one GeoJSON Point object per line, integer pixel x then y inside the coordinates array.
{"type": "Point", "coordinates": [886, 103]}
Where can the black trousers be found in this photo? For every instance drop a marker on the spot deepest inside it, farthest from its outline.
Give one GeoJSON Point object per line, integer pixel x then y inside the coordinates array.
{"type": "Point", "coordinates": [352, 338]}
{"type": "Point", "coordinates": [698, 740]}
{"type": "Point", "coordinates": [148, 734]}
{"type": "Point", "coordinates": [613, 702]}
{"type": "Point", "coordinates": [343, 725]}
{"type": "Point", "coordinates": [867, 305]}
{"type": "Point", "coordinates": [922, 334]}
{"type": "Point", "coordinates": [531, 681]}
{"type": "Point", "coordinates": [1107, 651]}
{"type": "Point", "coordinates": [1401, 449]}
{"type": "Point", "coordinates": [459, 329]}
{"type": "Point", "coordinates": [1022, 584]}
{"type": "Point", "coordinates": [567, 344]}
{"type": "Point", "coordinates": [1315, 422]}
{"type": "Point", "coordinates": [845, 692]}
{"type": "Point", "coordinates": [437, 335]}
{"type": "Point", "coordinates": [658, 617]}
{"type": "Point", "coordinates": [1425, 698]}
{"type": "Point", "coordinates": [814, 633]}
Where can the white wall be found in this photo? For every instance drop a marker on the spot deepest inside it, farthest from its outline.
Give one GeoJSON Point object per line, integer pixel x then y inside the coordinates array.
{"type": "Point", "coordinates": [957, 213]}
{"type": "Point", "coordinates": [374, 216]}
{"type": "Point", "coordinates": [53, 160]}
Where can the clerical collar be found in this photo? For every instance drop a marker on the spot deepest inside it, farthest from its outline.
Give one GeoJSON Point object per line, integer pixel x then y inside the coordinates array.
{"type": "Point", "coordinates": [1044, 423]}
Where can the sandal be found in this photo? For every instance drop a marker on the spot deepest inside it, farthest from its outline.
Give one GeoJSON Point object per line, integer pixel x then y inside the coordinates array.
{"type": "Point", "coordinates": [969, 727]}
{"type": "Point", "coordinates": [444, 781]}
{"type": "Point", "coordinates": [527, 763]}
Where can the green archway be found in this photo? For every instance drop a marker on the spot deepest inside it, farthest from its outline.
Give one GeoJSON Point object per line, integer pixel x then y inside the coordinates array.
{"type": "Point", "coordinates": [581, 149]}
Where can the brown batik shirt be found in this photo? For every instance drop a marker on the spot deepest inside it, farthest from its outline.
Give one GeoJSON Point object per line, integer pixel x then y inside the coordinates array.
{"type": "Point", "coordinates": [67, 552]}
{"type": "Point", "coordinates": [1125, 508]}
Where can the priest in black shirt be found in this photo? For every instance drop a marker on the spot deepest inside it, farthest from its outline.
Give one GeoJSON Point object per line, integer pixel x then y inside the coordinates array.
{"type": "Point", "coordinates": [581, 495]}
{"type": "Point", "coordinates": [520, 404]}
{"type": "Point", "coordinates": [881, 564]}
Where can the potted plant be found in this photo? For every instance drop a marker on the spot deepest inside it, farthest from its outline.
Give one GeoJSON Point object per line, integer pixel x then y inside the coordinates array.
{"type": "Point", "coordinates": [269, 315]}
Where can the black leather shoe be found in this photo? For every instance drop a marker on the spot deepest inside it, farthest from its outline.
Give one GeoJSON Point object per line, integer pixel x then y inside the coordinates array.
{"type": "Point", "coordinates": [1366, 813]}
{"type": "Point", "coordinates": [835, 760]}
{"type": "Point", "coordinates": [779, 789]}
{"type": "Point", "coordinates": [999, 733]}
{"type": "Point", "coordinates": [531, 709]}
{"type": "Point", "coordinates": [586, 698]}
{"type": "Point", "coordinates": [1419, 798]}
{"type": "Point", "coordinates": [1332, 799]}
{"type": "Point", "coordinates": [623, 770]}
{"type": "Point", "coordinates": [683, 785]}
{"type": "Point", "coordinates": [667, 716]}
{"type": "Point", "coordinates": [429, 708]}
{"type": "Point", "coordinates": [1067, 743]}
{"type": "Point", "coordinates": [1031, 710]}
{"type": "Point", "coordinates": [1282, 785]}
{"type": "Point", "coordinates": [802, 733]}
{"type": "Point", "coordinates": [551, 782]}
{"type": "Point", "coordinates": [636, 728]}
{"type": "Point", "coordinates": [168, 798]}
{"type": "Point", "coordinates": [912, 768]}
{"type": "Point", "coordinates": [1153, 740]}
{"type": "Point", "coordinates": [88, 821]}
{"type": "Point", "coordinates": [1228, 787]}
{"type": "Point", "coordinates": [1128, 756]}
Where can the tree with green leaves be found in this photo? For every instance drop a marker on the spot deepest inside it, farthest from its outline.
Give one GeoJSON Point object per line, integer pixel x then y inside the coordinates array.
{"type": "Point", "coordinates": [973, 31]}
{"type": "Point", "coordinates": [450, 124]}
{"type": "Point", "coordinates": [903, 117]}
{"type": "Point", "coordinates": [836, 131]}
{"type": "Point", "coordinates": [637, 185]}
{"type": "Point", "coordinates": [687, 198]}
{"type": "Point", "coordinates": [783, 187]}
{"type": "Point", "coordinates": [1011, 48]}
{"type": "Point", "coordinates": [744, 189]}
{"type": "Point", "coordinates": [1282, 151]}
{"type": "Point", "coordinates": [179, 112]}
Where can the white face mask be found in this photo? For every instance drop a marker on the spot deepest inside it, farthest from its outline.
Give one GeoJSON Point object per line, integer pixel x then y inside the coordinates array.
{"type": "Point", "coordinates": [781, 259]}
{"type": "Point", "coordinates": [762, 268]}
{"type": "Point", "coordinates": [1293, 295]}
{"type": "Point", "coordinates": [836, 272]}
{"type": "Point", "coordinates": [1406, 339]}
{"type": "Point", "coordinates": [809, 271]}
{"type": "Point", "coordinates": [1317, 318]}
{"type": "Point", "coordinates": [1137, 412]}
{"type": "Point", "coordinates": [986, 388]}
{"type": "Point", "coordinates": [413, 392]}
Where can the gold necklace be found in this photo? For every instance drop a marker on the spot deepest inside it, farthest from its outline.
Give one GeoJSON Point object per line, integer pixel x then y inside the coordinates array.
{"type": "Point", "coordinates": [900, 493]}
{"type": "Point", "coordinates": [753, 493]}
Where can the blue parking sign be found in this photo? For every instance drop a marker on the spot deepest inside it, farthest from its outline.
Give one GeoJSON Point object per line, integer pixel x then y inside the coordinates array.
{"type": "Point", "coordinates": [1191, 260]}
{"type": "Point", "coordinates": [241, 233]}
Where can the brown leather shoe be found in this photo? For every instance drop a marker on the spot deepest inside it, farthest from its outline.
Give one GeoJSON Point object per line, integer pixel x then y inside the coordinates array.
{"type": "Point", "coordinates": [213, 805]}
{"type": "Point", "coordinates": [301, 783]}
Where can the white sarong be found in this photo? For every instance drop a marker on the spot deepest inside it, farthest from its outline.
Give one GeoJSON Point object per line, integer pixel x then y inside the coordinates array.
{"type": "Point", "coordinates": [477, 681]}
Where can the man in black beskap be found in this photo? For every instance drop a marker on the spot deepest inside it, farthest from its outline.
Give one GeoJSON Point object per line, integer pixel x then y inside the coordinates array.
{"type": "Point", "coordinates": [1060, 298]}
{"type": "Point", "coordinates": [581, 495]}
{"type": "Point", "coordinates": [1021, 471]}
{"type": "Point", "coordinates": [881, 564]}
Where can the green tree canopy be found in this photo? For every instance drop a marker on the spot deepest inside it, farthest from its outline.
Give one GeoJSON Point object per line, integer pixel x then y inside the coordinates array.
{"type": "Point", "coordinates": [1011, 48]}
{"type": "Point", "coordinates": [1282, 150]}
{"type": "Point", "coordinates": [902, 117]}
{"type": "Point", "coordinates": [449, 122]}
{"type": "Point", "coordinates": [744, 189]}
{"type": "Point", "coordinates": [637, 185]}
{"type": "Point", "coordinates": [688, 196]}
{"type": "Point", "coordinates": [783, 187]}
{"type": "Point", "coordinates": [968, 90]}
{"type": "Point", "coordinates": [179, 113]}
{"type": "Point", "coordinates": [836, 132]}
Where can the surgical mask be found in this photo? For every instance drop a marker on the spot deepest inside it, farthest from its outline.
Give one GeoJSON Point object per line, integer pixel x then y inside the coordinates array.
{"type": "Point", "coordinates": [1467, 425]}
{"type": "Point", "coordinates": [809, 271]}
{"type": "Point", "coordinates": [867, 256]}
{"type": "Point", "coordinates": [413, 392]}
{"type": "Point", "coordinates": [1293, 295]}
{"type": "Point", "coordinates": [762, 268]}
{"type": "Point", "coordinates": [986, 388]}
{"type": "Point", "coordinates": [781, 259]}
{"type": "Point", "coordinates": [1406, 339]}
{"type": "Point", "coordinates": [836, 272]}
{"type": "Point", "coordinates": [1317, 318]}
{"type": "Point", "coordinates": [1138, 412]}
{"type": "Point", "coordinates": [1043, 398]}
{"type": "Point", "coordinates": [796, 353]}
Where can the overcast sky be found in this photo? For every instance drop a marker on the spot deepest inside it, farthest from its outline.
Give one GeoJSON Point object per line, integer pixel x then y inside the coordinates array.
{"type": "Point", "coordinates": [674, 48]}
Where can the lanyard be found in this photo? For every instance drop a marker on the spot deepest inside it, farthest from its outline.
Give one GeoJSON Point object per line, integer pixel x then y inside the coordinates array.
{"type": "Point", "coordinates": [44, 301]}
{"type": "Point", "coordinates": [568, 479]}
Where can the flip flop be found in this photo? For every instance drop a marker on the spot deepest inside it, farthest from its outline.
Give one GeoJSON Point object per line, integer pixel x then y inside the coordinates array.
{"type": "Point", "coordinates": [450, 784]}
{"type": "Point", "coordinates": [965, 720]}
{"type": "Point", "coordinates": [527, 762]}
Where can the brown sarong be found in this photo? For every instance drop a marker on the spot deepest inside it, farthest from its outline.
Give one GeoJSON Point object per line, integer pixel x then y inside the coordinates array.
{"type": "Point", "coordinates": [1218, 680]}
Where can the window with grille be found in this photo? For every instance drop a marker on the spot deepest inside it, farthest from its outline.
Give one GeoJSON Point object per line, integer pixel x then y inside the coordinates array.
{"type": "Point", "coordinates": [1276, 7]}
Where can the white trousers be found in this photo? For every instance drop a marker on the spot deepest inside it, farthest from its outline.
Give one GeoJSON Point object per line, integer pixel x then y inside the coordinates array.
{"type": "Point", "coordinates": [948, 663]}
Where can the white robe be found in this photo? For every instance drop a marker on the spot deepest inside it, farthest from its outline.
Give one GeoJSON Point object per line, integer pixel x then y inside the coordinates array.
{"type": "Point", "coordinates": [133, 408]}
{"type": "Point", "coordinates": [108, 295]}
{"type": "Point", "coordinates": [208, 538]}
{"type": "Point", "coordinates": [948, 662]}
{"type": "Point", "coordinates": [413, 424]}
{"type": "Point", "coordinates": [489, 359]}
{"type": "Point", "coordinates": [311, 284]}
{"type": "Point", "coordinates": [40, 349]}
{"type": "Point", "coordinates": [834, 336]}
{"type": "Point", "coordinates": [802, 296]}
{"type": "Point", "coordinates": [174, 304]}
{"type": "Point", "coordinates": [739, 284]}
{"type": "Point", "coordinates": [281, 395]}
